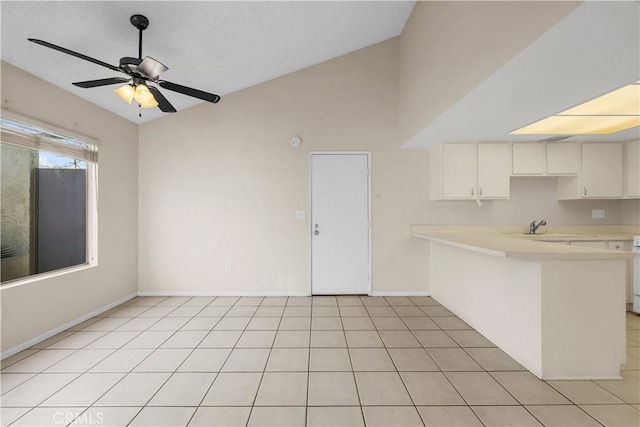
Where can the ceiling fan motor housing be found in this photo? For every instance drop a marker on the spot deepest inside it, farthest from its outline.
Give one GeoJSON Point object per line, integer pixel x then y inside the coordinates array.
{"type": "Point", "coordinates": [130, 63]}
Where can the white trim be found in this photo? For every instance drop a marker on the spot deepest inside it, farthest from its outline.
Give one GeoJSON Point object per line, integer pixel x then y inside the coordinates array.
{"type": "Point", "coordinates": [30, 121]}
{"type": "Point", "coordinates": [44, 276]}
{"type": "Point", "coordinates": [25, 345]}
{"type": "Point", "coordinates": [401, 294]}
{"type": "Point", "coordinates": [579, 378]}
{"type": "Point", "coordinates": [368, 154]}
{"type": "Point", "coordinates": [221, 294]}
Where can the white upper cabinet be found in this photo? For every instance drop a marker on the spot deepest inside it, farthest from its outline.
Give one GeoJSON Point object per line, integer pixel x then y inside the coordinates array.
{"type": "Point", "coordinates": [459, 171]}
{"type": "Point", "coordinates": [529, 158]}
{"type": "Point", "coordinates": [602, 170]}
{"type": "Point", "coordinates": [601, 173]}
{"type": "Point", "coordinates": [469, 171]}
{"type": "Point", "coordinates": [563, 158]}
{"type": "Point", "coordinates": [546, 159]}
{"type": "Point", "coordinates": [632, 170]}
{"type": "Point", "coordinates": [494, 170]}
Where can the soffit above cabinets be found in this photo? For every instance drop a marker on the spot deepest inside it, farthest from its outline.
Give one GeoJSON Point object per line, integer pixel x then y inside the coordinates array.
{"type": "Point", "coordinates": [593, 50]}
{"type": "Point", "coordinates": [219, 47]}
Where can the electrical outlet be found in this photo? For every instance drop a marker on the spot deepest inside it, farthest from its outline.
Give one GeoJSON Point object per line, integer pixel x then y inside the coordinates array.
{"type": "Point", "coordinates": [452, 215]}
{"type": "Point", "coordinates": [228, 268]}
{"type": "Point", "coordinates": [597, 213]}
{"type": "Point", "coordinates": [300, 215]}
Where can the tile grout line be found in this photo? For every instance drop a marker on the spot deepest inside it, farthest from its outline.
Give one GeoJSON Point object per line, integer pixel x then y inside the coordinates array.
{"type": "Point", "coordinates": [126, 373]}
{"type": "Point", "coordinates": [131, 371]}
{"type": "Point", "coordinates": [306, 412]}
{"type": "Point", "coordinates": [415, 405]}
{"type": "Point", "coordinates": [192, 317]}
{"type": "Point", "coordinates": [59, 389]}
{"type": "Point", "coordinates": [266, 361]}
{"type": "Point", "coordinates": [217, 374]}
{"type": "Point", "coordinates": [353, 372]}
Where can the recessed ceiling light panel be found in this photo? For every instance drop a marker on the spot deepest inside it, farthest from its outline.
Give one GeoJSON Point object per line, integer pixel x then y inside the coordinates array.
{"type": "Point", "coordinates": [612, 112]}
{"type": "Point", "coordinates": [623, 101]}
{"type": "Point", "coordinates": [579, 125]}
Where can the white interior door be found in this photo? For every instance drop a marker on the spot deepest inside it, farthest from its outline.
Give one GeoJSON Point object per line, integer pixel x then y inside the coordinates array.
{"type": "Point", "coordinates": [339, 224]}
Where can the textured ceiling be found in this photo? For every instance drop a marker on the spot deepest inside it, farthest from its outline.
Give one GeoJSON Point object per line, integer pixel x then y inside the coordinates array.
{"type": "Point", "coordinates": [219, 47]}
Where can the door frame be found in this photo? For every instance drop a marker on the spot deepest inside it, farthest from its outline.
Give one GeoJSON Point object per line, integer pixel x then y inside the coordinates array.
{"type": "Point", "coordinates": [310, 205]}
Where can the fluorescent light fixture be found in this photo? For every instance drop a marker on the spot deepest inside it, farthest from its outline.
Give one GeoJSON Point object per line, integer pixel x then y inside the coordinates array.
{"type": "Point", "coordinates": [579, 125]}
{"type": "Point", "coordinates": [612, 112]}
{"type": "Point", "coordinates": [620, 102]}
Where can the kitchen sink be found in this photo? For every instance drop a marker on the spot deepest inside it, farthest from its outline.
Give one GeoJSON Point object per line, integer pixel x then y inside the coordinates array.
{"type": "Point", "coordinates": [543, 235]}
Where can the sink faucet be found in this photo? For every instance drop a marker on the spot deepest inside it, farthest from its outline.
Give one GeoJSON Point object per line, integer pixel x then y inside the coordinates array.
{"type": "Point", "coordinates": [533, 227]}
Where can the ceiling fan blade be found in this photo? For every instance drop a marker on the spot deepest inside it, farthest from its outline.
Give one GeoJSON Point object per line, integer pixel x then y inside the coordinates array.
{"type": "Point", "coordinates": [76, 54]}
{"type": "Point", "coordinates": [151, 68]}
{"type": "Point", "coordinates": [206, 96]}
{"type": "Point", "coordinates": [102, 82]}
{"type": "Point", "coordinates": [164, 105]}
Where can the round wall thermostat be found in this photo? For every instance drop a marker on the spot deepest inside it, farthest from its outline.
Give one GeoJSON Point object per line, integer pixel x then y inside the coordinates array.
{"type": "Point", "coordinates": [296, 141]}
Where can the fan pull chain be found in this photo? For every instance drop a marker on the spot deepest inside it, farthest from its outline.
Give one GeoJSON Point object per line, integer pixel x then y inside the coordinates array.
{"type": "Point", "coordinates": [139, 110]}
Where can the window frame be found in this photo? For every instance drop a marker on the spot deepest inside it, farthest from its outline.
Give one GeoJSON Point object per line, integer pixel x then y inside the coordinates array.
{"type": "Point", "coordinates": [91, 259]}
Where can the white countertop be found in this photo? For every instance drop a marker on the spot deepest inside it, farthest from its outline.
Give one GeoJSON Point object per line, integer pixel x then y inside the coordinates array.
{"type": "Point", "coordinates": [509, 242]}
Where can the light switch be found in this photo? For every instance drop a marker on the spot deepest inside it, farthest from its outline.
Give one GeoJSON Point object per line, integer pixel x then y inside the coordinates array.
{"type": "Point", "coordinates": [300, 215]}
{"type": "Point", "coordinates": [597, 213]}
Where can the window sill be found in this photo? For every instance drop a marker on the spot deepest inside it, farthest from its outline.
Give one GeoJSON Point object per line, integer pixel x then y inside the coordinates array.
{"type": "Point", "coordinates": [45, 276]}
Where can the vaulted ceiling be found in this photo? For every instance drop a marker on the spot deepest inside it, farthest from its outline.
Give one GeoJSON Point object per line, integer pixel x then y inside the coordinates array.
{"type": "Point", "coordinates": [219, 47]}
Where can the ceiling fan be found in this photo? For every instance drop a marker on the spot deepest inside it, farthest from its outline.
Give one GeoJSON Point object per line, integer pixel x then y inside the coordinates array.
{"type": "Point", "coordinates": [139, 73]}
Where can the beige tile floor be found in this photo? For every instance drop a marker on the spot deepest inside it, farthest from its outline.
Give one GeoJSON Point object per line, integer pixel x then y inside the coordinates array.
{"type": "Point", "coordinates": [321, 361]}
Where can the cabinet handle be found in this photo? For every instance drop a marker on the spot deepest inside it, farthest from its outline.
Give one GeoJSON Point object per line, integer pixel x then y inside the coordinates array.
{"type": "Point", "coordinates": [480, 192]}
{"type": "Point", "coordinates": [585, 191]}
{"type": "Point", "coordinates": [472, 191]}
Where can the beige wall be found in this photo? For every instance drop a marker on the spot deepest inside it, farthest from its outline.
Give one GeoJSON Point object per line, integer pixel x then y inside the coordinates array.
{"type": "Point", "coordinates": [630, 212]}
{"type": "Point", "coordinates": [221, 184]}
{"type": "Point", "coordinates": [33, 309]}
{"type": "Point", "coordinates": [531, 198]}
{"type": "Point", "coordinates": [448, 47]}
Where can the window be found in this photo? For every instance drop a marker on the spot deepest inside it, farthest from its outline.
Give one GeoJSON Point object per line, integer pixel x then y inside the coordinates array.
{"type": "Point", "coordinates": [48, 208]}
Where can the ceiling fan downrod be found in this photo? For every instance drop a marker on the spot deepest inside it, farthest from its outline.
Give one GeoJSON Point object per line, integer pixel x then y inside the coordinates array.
{"type": "Point", "coordinates": [141, 23]}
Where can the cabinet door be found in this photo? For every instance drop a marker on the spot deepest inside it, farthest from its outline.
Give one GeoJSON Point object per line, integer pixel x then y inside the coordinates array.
{"type": "Point", "coordinates": [563, 158]}
{"type": "Point", "coordinates": [602, 170]}
{"type": "Point", "coordinates": [633, 169]}
{"type": "Point", "coordinates": [459, 171]}
{"type": "Point", "coordinates": [529, 158]}
{"type": "Point", "coordinates": [494, 170]}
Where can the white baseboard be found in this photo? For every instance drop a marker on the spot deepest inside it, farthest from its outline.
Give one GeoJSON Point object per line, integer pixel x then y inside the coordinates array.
{"type": "Point", "coordinates": [264, 294]}
{"type": "Point", "coordinates": [221, 294]}
{"type": "Point", "coordinates": [581, 378]}
{"type": "Point", "coordinates": [400, 294]}
{"type": "Point", "coordinates": [25, 345]}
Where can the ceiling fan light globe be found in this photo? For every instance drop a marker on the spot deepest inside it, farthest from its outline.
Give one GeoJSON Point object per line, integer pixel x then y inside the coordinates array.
{"type": "Point", "coordinates": [142, 95]}
{"type": "Point", "coordinates": [126, 92]}
{"type": "Point", "coordinates": [149, 104]}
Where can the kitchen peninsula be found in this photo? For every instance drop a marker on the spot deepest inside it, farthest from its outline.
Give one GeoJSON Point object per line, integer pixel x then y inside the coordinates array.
{"type": "Point", "coordinates": [558, 309]}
